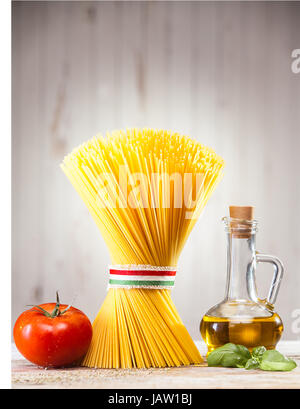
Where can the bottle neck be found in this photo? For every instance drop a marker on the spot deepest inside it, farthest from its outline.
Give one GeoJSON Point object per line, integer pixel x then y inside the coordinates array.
{"type": "Point", "coordinates": [240, 268]}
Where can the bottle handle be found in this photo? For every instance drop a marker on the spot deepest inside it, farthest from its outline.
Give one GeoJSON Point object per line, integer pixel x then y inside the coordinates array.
{"type": "Point", "coordinates": [278, 274]}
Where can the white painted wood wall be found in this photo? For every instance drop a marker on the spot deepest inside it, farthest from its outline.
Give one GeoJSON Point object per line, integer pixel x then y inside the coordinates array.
{"type": "Point", "coordinates": [218, 71]}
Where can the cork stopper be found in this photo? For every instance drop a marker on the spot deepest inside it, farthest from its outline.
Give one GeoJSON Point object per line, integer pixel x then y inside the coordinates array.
{"type": "Point", "coordinates": [241, 212]}
{"type": "Point", "coordinates": [241, 229]}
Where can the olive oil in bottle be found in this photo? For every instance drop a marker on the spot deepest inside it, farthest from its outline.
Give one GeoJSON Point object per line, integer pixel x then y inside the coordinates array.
{"type": "Point", "coordinates": [242, 317]}
{"type": "Point", "coordinates": [218, 331]}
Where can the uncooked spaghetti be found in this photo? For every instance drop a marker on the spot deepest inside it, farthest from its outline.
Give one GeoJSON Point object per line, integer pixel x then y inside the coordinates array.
{"type": "Point", "coordinates": [145, 190]}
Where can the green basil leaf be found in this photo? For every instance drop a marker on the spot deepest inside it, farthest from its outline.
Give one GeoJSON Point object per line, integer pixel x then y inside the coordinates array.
{"type": "Point", "coordinates": [288, 365]}
{"type": "Point", "coordinates": [252, 364]}
{"type": "Point", "coordinates": [229, 355]}
{"type": "Point", "coordinates": [273, 355]}
{"type": "Point", "coordinates": [258, 352]}
{"type": "Point", "coordinates": [274, 361]}
{"type": "Point", "coordinates": [243, 351]}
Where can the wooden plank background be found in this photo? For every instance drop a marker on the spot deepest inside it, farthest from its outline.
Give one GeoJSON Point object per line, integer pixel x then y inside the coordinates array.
{"type": "Point", "coordinates": [218, 71]}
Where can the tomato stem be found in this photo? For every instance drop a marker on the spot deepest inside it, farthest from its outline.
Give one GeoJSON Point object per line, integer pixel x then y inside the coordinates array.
{"type": "Point", "coordinates": [56, 311]}
{"type": "Point", "coordinates": [46, 313]}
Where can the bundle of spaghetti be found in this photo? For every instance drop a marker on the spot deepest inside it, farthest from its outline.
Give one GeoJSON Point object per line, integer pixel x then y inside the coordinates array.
{"type": "Point", "coordinates": [145, 190]}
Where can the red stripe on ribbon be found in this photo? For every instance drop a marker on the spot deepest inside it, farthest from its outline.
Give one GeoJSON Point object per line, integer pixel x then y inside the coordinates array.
{"type": "Point", "coordinates": [142, 272]}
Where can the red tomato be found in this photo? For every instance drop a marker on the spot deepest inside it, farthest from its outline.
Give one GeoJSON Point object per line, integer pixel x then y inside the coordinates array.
{"type": "Point", "coordinates": [53, 342]}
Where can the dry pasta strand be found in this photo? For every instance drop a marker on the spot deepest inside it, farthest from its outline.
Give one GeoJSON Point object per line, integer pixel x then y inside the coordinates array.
{"type": "Point", "coordinates": [143, 222]}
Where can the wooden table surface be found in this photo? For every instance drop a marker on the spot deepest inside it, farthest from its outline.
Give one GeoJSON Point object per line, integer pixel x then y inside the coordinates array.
{"type": "Point", "coordinates": [27, 375]}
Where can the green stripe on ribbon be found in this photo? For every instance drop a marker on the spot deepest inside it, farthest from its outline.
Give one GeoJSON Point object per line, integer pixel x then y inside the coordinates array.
{"type": "Point", "coordinates": [142, 282]}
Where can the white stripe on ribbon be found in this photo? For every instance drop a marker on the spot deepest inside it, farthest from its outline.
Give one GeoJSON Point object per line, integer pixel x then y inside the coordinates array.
{"type": "Point", "coordinates": [141, 278]}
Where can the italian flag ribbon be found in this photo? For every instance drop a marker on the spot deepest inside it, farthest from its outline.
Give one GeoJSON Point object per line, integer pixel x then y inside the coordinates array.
{"type": "Point", "coordinates": [141, 276]}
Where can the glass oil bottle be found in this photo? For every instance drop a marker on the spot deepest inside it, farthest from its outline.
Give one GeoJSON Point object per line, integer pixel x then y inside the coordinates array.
{"type": "Point", "coordinates": [243, 318]}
